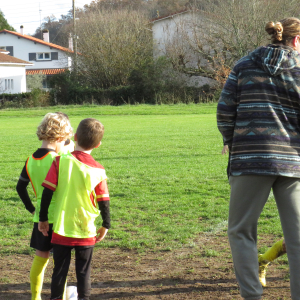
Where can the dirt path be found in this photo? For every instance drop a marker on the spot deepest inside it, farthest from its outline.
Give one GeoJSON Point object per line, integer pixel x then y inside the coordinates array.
{"type": "Point", "coordinates": [202, 271]}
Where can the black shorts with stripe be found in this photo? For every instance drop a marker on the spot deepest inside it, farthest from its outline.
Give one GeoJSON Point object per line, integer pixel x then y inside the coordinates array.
{"type": "Point", "coordinates": [39, 241]}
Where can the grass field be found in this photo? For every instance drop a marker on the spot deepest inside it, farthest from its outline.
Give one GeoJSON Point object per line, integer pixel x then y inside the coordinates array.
{"type": "Point", "coordinates": [167, 178]}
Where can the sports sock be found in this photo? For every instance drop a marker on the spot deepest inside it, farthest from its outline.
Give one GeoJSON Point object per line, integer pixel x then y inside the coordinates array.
{"type": "Point", "coordinates": [65, 292]}
{"type": "Point", "coordinates": [38, 267]}
{"type": "Point", "coordinates": [272, 253]}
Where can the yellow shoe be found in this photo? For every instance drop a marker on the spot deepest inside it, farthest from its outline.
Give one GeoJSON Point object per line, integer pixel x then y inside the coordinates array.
{"type": "Point", "coordinates": [263, 264]}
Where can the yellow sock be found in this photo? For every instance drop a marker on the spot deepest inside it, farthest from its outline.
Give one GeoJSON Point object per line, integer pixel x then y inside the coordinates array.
{"type": "Point", "coordinates": [65, 292]}
{"type": "Point", "coordinates": [272, 253]}
{"type": "Point", "coordinates": [38, 267]}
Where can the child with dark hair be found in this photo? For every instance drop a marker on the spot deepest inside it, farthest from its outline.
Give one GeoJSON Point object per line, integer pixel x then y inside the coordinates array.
{"type": "Point", "coordinates": [80, 184]}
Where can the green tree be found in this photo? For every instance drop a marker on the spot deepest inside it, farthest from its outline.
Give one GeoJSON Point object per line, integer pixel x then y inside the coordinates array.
{"type": "Point", "coordinates": [3, 22]}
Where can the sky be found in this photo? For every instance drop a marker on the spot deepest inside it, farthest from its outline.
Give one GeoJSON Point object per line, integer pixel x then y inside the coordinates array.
{"type": "Point", "coordinates": [30, 13]}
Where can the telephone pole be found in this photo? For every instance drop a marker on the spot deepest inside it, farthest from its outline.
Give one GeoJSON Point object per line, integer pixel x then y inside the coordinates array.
{"type": "Point", "coordinates": [74, 38]}
{"type": "Point", "coordinates": [40, 11]}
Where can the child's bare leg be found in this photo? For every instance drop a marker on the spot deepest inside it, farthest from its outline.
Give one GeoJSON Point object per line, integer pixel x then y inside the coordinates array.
{"type": "Point", "coordinates": [44, 254]}
{"type": "Point", "coordinates": [283, 246]}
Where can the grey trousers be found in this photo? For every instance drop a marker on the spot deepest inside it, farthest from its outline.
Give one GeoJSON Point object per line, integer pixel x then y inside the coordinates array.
{"type": "Point", "coordinates": [249, 194]}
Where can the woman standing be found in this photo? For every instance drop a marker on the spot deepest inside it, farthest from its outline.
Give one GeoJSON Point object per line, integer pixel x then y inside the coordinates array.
{"type": "Point", "coordinates": [258, 117]}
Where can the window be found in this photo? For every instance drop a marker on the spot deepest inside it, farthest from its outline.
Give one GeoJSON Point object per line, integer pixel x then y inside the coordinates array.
{"type": "Point", "coordinates": [40, 56]}
{"type": "Point", "coordinates": [10, 49]}
{"type": "Point", "coordinates": [43, 56]}
{"type": "Point", "coordinates": [46, 82]}
{"type": "Point", "coordinates": [9, 84]}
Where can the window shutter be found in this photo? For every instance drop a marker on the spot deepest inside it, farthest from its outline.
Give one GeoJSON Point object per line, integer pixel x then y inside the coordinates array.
{"type": "Point", "coordinates": [54, 55]}
{"type": "Point", "coordinates": [32, 56]}
{"type": "Point", "coordinates": [11, 50]}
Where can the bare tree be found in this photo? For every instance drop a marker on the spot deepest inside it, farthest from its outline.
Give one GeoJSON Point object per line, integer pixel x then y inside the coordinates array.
{"type": "Point", "coordinates": [223, 31]}
{"type": "Point", "coordinates": [112, 43]}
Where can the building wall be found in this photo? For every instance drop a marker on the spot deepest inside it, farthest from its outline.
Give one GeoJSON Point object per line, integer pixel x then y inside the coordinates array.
{"type": "Point", "coordinates": [175, 31]}
{"type": "Point", "coordinates": [22, 47]}
{"type": "Point", "coordinates": [165, 30]}
{"type": "Point", "coordinates": [15, 75]}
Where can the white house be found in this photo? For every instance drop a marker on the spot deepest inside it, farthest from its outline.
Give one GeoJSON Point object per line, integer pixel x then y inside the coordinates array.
{"type": "Point", "coordinates": [175, 35]}
{"type": "Point", "coordinates": [166, 28]}
{"type": "Point", "coordinates": [12, 73]}
{"type": "Point", "coordinates": [48, 58]}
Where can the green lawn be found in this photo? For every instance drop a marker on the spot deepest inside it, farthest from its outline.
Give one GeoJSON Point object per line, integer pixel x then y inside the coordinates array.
{"type": "Point", "coordinates": [166, 176]}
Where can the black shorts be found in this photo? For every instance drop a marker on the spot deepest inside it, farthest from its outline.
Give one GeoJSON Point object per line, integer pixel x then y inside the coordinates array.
{"type": "Point", "coordinates": [39, 241]}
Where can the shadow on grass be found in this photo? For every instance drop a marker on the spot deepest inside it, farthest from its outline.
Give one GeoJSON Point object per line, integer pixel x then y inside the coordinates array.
{"type": "Point", "coordinates": [138, 288]}
{"type": "Point", "coordinates": [129, 289]}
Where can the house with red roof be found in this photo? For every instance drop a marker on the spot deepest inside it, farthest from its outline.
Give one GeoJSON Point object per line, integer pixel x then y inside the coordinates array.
{"type": "Point", "coordinates": [12, 73]}
{"type": "Point", "coordinates": [46, 58]}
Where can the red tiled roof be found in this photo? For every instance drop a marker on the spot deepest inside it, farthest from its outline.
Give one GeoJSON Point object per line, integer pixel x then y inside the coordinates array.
{"type": "Point", "coordinates": [7, 59]}
{"type": "Point", "coordinates": [44, 71]}
{"type": "Point", "coordinates": [170, 15]}
{"type": "Point", "coordinates": [28, 37]}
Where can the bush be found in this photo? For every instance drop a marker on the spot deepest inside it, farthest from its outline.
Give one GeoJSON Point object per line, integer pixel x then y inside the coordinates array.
{"type": "Point", "coordinates": [154, 82]}
{"type": "Point", "coordinates": [132, 94]}
{"type": "Point", "coordinates": [35, 98]}
{"type": "Point", "coordinates": [35, 81]}
{"type": "Point", "coordinates": [68, 89]}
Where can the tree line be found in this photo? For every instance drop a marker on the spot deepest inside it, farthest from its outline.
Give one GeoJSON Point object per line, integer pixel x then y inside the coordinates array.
{"type": "Point", "coordinates": [116, 46]}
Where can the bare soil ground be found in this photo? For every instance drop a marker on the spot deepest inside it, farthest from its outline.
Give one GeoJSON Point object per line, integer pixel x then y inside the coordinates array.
{"type": "Point", "coordinates": [193, 272]}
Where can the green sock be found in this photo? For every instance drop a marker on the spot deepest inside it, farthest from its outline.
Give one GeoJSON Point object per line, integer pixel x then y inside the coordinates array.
{"type": "Point", "coordinates": [38, 267]}
{"type": "Point", "coordinates": [272, 253]}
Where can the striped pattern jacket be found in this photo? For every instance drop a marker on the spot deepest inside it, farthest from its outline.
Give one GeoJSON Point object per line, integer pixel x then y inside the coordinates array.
{"type": "Point", "coordinates": [258, 113]}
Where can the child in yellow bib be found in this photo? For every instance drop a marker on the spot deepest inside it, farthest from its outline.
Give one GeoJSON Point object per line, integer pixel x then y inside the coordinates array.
{"type": "Point", "coordinates": [54, 129]}
{"type": "Point", "coordinates": [80, 184]}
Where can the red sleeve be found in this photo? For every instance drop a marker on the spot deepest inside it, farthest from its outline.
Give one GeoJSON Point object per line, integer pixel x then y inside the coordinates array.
{"type": "Point", "coordinates": [101, 191]}
{"type": "Point", "coordinates": [51, 179]}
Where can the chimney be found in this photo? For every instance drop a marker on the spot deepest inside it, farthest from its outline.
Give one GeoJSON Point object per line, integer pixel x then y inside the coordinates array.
{"type": "Point", "coordinates": [46, 35]}
{"type": "Point", "coordinates": [70, 42]}
{"type": "Point", "coordinates": [22, 29]}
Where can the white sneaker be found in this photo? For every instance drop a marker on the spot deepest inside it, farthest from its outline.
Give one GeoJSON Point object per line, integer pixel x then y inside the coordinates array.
{"type": "Point", "coordinates": [71, 293]}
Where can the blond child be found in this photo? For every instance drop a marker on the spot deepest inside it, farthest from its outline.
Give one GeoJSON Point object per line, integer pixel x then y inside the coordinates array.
{"type": "Point", "coordinates": [69, 145]}
{"type": "Point", "coordinates": [53, 131]}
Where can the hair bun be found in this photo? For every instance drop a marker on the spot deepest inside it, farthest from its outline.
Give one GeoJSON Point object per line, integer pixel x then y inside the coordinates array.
{"type": "Point", "coordinates": [274, 29]}
{"type": "Point", "coordinates": [278, 29]}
